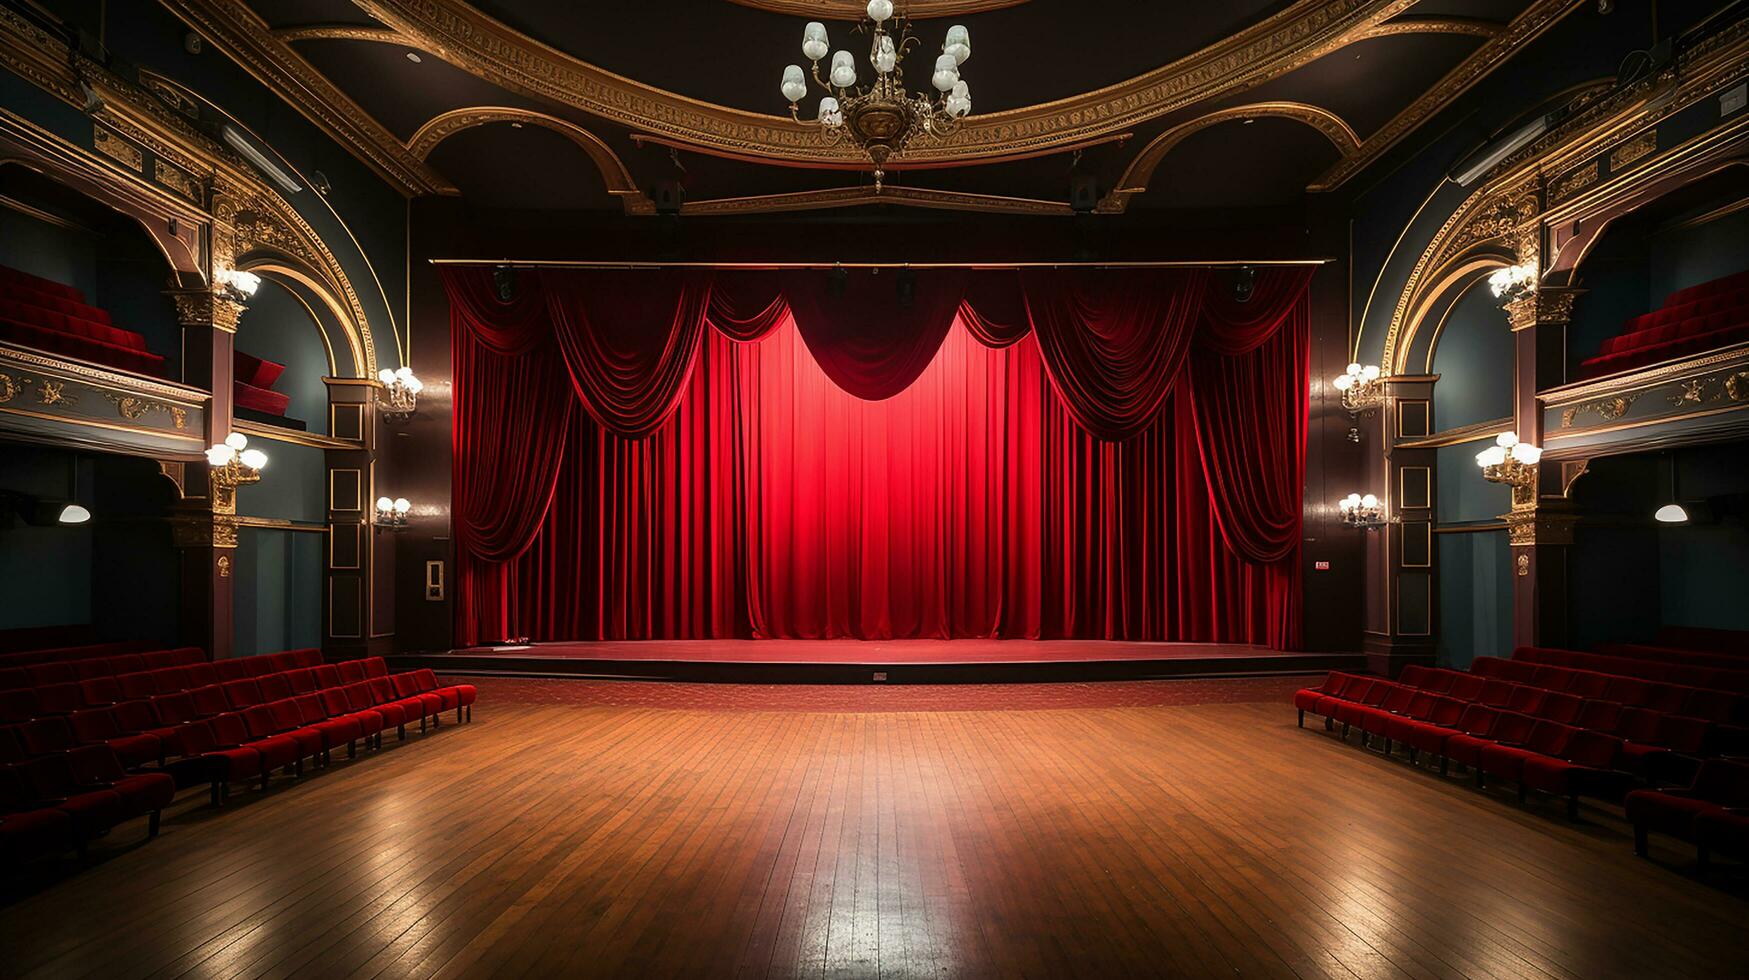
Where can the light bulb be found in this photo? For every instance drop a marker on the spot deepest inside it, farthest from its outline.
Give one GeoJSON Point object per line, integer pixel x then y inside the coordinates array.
{"type": "Point", "coordinates": [1370, 372]}
{"type": "Point", "coordinates": [885, 58]}
{"type": "Point", "coordinates": [1342, 382]}
{"type": "Point", "coordinates": [384, 505]}
{"type": "Point", "coordinates": [219, 455]}
{"type": "Point", "coordinates": [1506, 440]}
{"type": "Point", "coordinates": [416, 385]}
{"type": "Point", "coordinates": [795, 84]}
{"type": "Point", "coordinates": [843, 69]}
{"type": "Point", "coordinates": [403, 505]}
{"type": "Point", "coordinates": [386, 376]}
{"type": "Point", "coordinates": [1369, 501]}
{"type": "Point", "coordinates": [814, 44]}
{"type": "Point", "coordinates": [1353, 369]}
{"type": "Point", "coordinates": [829, 114]}
{"type": "Point", "coordinates": [880, 10]}
{"type": "Point", "coordinates": [255, 459]}
{"type": "Point", "coordinates": [404, 372]}
{"type": "Point", "coordinates": [958, 44]}
{"type": "Point", "coordinates": [236, 440]}
{"type": "Point", "coordinates": [1492, 456]}
{"type": "Point", "coordinates": [1527, 454]}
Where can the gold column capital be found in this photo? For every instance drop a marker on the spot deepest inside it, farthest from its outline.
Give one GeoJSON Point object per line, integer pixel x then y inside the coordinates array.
{"type": "Point", "coordinates": [1544, 522]}
{"type": "Point", "coordinates": [1548, 304]}
{"type": "Point", "coordinates": [204, 308]}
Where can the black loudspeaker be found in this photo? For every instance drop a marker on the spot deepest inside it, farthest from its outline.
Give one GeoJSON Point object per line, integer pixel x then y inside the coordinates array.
{"type": "Point", "coordinates": [668, 195]}
{"type": "Point", "coordinates": [1083, 192]}
{"type": "Point", "coordinates": [504, 281]}
{"type": "Point", "coordinates": [1244, 281]}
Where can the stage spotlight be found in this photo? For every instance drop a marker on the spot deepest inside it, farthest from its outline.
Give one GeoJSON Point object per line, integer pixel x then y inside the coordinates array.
{"type": "Point", "coordinates": [504, 281]}
{"type": "Point", "coordinates": [837, 281]}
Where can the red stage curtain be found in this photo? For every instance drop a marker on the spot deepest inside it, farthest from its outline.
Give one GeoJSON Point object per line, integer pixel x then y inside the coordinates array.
{"type": "Point", "coordinates": [629, 351]}
{"type": "Point", "coordinates": [868, 340]}
{"type": "Point", "coordinates": [1113, 341]}
{"type": "Point", "coordinates": [747, 490]}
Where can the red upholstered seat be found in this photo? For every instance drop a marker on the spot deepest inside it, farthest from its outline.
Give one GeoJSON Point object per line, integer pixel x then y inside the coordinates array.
{"type": "Point", "coordinates": [1542, 738]}
{"type": "Point", "coordinates": [253, 380]}
{"type": "Point", "coordinates": [51, 316]}
{"type": "Point", "coordinates": [274, 687]}
{"type": "Point", "coordinates": [98, 726]}
{"type": "Point", "coordinates": [210, 700]}
{"type": "Point", "coordinates": [233, 670]}
{"type": "Point", "coordinates": [245, 693]}
{"type": "Point", "coordinates": [141, 793]}
{"type": "Point", "coordinates": [53, 785]}
{"type": "Point", "coordinates": [1718, 786]}
{"type": "Point", "coordinates": [27, 830]}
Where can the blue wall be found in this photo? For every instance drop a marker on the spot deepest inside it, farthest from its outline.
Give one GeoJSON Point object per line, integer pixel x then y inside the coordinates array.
{"type": "Point", "coordinates": [278, 328]}
{"type": "Point", "coordinates": [46, 570]}
{"type": "Point", "coordinates": [278, 583]}
{"type": "Point", "coordinates": [1686, 257]}
{"type": "Point", "coordinates": [1475, 597]}
{"type": "Point", "coordinates": [1473, 359]}
{"type": "Point", "coordinates": [41, 249]}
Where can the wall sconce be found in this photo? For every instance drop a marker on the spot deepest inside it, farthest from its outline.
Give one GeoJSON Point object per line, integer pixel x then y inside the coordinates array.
{"type": "Point", "coordinates": [1360, 388]}
{"type": "Point", "coordinates": [399, 395]}
{"type": "Point", "coordinates": [1361, 511]}
{"type": "Point", "coordinates": [1513, 463]}
{"type": "Point", "coordinates": [235, 284]}
{"type": "Point", "coordinates": [1513, 282]}
{"type": "Point", "coordinates": [233, 464]}
{"type": "Point", "coordinates": [393, 513]}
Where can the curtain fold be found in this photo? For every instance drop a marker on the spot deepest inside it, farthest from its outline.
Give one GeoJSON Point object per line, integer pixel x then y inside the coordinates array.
{"type": "Point", "coordinates": [1114, 342]}
{"type": "Point", "coordinates": [1110, 455]}
{"type": "Point", "coordinates": [871, 333]}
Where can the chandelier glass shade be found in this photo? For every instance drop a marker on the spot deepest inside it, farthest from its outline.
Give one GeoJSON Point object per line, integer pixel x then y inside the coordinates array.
{"type": "Point", "coordinates": [1359, 386]}
{"type": "Point", "coordinates": [1361, 510]}
{"type": "Point", "coordinates": [881, 118]}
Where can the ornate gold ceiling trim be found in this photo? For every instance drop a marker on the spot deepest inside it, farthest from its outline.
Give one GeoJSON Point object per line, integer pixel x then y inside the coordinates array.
{"type": "Point", "coordinates": [248, 40]}
{"type": "Point", "coordinates": [857, 9]}
{"type": "Point", "coordinates": [659, 140]}
{"type": "Point", "coordinates": [1472, 26]}
{"type": "Point", "coordinates": [462, 35]}
{"type": "Point", "coordinates": [1141, 169]}
{"type": "Point", "coordinates": [339, 32]}
{"type": "Point", "coordinates": [1525, 28]}
{"type": "Point", "coordinates": [613, 170]}
{"type": "Point", "coordinates": [850, 197]}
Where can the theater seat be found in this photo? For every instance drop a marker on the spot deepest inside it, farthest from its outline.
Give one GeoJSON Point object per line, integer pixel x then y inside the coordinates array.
{"type": "Point", "coordinates": [1719, 785]}
{"type": "Point", "coordinates": [26, 830]}
{"type": "Point", "coordinates": [1722, 830]}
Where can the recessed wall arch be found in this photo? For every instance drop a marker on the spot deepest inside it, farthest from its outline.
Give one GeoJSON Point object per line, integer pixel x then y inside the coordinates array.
{"type": "Point", "coordinates": [1568, 258]}
{"type": "Point", "coordinates": [614, 174]}
{"type": "Point", "coordinates": [1137, 175]}
{"type": "Point", "coordinates": [1435, 302]}
{"type": "Point", "coordinates": [310, 290]}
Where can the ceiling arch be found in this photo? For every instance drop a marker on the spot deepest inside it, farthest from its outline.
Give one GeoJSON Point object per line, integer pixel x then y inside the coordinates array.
{"type": "Point", "coordinates": [613, 170]}
{"type": "Point", "coordinates": [1141, 169]}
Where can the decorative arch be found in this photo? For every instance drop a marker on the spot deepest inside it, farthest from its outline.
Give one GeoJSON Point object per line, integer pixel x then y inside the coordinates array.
{"type": "Point", "coordinates": [614, 174]}
{"type": "Point", "coordinates": [1436, 307]}
{"type": "Point", "coordinates": [1571, 249]}
{"type": "Point", "coordinates": [1136, 177]}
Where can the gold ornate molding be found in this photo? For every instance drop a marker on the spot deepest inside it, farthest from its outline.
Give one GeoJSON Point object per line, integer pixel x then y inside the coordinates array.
{"type": "Point", "coordinates": [1525, 28]}
{"type": "Point", "coordinates": [846, 197]}
{"type": "Point", "coordinates": [1141, 169]}
{"type": "Point", "coordinates": [248, 40]}
{"type": "Point", "coordinates": [1607, 409]}
{"type": "Point", "coordinates": [1540, 306]}
{"type": "Point", "coordinates": [613, 171]}
{"type": "Point", "coordinates": [467, 38]}
{"type": "Point", "coordinates": [338, 32]}
{"type": "Point", "coordinates": [857, 9]}
{"type": "Point", "coordinates": [204, 308]}
{"type": "Point", "coordinates": [1534, 525]}
{"type": "Point", "coordinates": [1471, 26]}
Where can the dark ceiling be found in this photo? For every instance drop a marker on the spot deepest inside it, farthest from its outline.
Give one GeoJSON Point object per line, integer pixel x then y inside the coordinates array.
{"type": "Point", "coordinates": [730, 54]}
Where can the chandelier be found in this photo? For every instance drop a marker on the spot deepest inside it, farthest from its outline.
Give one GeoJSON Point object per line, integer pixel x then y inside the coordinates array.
{"type": "Point", "coordinates": [1360, 388]}
{"type": "Point", "coordinates": [1361, 511]}
{"type": "Point", "coordinates": [882, 118]}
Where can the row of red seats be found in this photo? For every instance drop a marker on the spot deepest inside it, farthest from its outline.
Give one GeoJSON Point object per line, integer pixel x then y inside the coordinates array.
{"type": "Point", "coordinates": [1702, 317]}
{"type": "Point", "coordinates": [218, 734]}
{"type": "Point", "coordinates": [1712, 814]}
{"type": "Point", "coordinates": [24, 658]}
{"type": "Point", "coordinates": [1719, 678]}
{"type": "Point", "coordinates": [59, 802]}
{"type": "Point", "coordinates": [1725, 707]}
{"type": "Point", "coordinates": [1537, 753]}
{"type": "Point", "coordinates": [42, 313]}
{"type": "Point", "coordinates": [252, 382]}
{"type": "Point", "coordinates": [73, 671]}
{"type": "Point", "coordinates": [1658, 744]}
{"type": "Point", "coordinates": [64, 697]}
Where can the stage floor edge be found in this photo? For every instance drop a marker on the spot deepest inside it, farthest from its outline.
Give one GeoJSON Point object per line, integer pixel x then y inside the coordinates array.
{"type": "Point", "coordinates": [878, 662]}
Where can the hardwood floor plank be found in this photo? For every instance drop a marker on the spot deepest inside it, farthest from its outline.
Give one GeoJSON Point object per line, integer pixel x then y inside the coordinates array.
{"type": "Point", "coordinates": [601, 840]}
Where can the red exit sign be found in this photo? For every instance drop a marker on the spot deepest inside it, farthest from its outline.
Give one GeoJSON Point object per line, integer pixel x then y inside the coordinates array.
{"type": "Point", "coordinates": [1320, 566]}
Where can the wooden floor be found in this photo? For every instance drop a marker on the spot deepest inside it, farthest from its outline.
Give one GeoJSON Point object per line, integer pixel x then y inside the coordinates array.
{"type": "Point", "coordinates": [576, 840]}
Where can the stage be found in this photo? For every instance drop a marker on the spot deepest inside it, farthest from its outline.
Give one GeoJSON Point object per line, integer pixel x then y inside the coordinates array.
{"type": "Point", "coordinates": [878, 662]}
